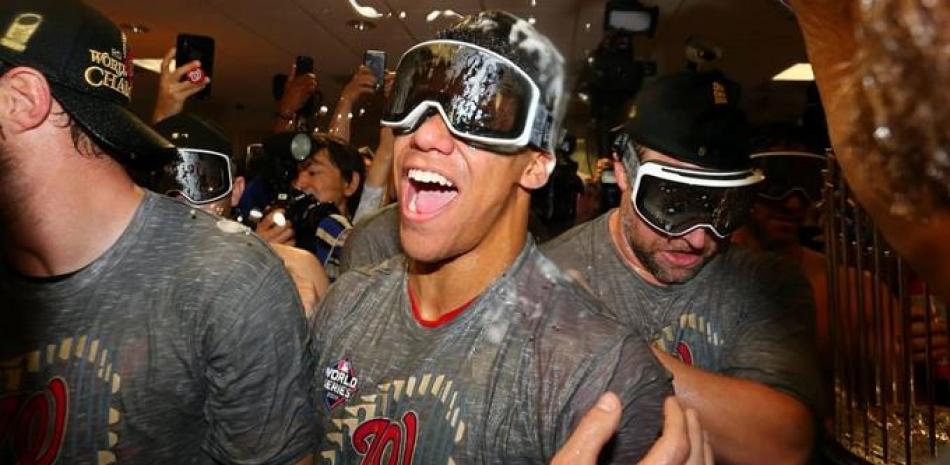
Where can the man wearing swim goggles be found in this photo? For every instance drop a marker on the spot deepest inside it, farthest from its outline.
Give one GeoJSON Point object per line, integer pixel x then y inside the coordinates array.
{"type": "Point", "coordinates": [727, 322]}
{"type": "Point", "coordinates": [202, 173]}
{"type": "Point", "coordinates": [784, 201]}
{"type": "Point", "coordinates": [474, 344]}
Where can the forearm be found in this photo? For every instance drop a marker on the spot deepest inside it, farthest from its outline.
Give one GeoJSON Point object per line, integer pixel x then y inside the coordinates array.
{"type": "Point", "coordinates": [828, 28]}
{"type": "Point", "coordinates": [342, 119]}
{"type": "Point", "coordinates": [747, 422]}
{"type": "Point", "coordinates": [381, 169]}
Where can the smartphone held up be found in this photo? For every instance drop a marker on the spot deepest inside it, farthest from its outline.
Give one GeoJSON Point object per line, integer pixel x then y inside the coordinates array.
{"type": "Point", "coordinates": [191, 47]}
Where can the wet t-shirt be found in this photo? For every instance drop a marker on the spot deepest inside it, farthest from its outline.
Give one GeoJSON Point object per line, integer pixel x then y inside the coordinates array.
{"type": "Point", "coordinates": [183, 343]}
{"type": "Point", "coordinates": [373, 239]}
{"type": "Point", "coordinates": [502, 382]}
{"type": "Point", "coordinates": [746, 314]}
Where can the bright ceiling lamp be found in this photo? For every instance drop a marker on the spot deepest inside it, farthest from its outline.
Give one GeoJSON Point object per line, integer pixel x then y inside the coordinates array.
{"type": "Point", "coordinates": [796, 72]}
{"type": "Point", "coordinates": [631, 17]}
{"type": "Point", "coordinates": [365, 11]}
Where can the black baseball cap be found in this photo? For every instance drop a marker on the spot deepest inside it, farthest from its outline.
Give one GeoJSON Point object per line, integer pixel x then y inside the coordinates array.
{"type": "Point", "coordinates": [694, 117]}
{"type": "Point", "coordinates": [85, 58]}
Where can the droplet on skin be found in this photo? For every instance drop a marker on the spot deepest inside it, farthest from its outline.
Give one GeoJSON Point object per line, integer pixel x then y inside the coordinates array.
{"type": "Point", "coordinates": [882, 133]}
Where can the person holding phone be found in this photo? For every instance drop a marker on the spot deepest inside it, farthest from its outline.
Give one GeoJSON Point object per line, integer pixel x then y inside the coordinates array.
{"type": "Point", "coordinates": [362, 84]}
{"type": "Point", "coordinates": [298, 90]}
{"type": "Point", "coordinates": [173, 91]}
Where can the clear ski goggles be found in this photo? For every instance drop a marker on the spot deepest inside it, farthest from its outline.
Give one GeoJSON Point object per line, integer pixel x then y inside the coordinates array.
{"type": "Point", "coordinates": [483, 97]}
{"type": "Point", "coordinates": [200, 176]}
{"type": "Point", "coordinates": [789, 173]}
{"type": "Point", "coordinates": [679, 200]}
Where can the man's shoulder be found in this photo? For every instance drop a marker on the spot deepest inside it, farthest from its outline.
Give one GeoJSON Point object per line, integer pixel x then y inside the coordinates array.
{"type": "Point", "coordinates": [568, 305]}
{"type": "Point", "coordinates": [748, 264]}
{"type": "Point", "coordinates": [576, 243]}
{"type": "Point", "coordinates": [197, 235]}
{"type": "Point", "coordinates": [354, 284]}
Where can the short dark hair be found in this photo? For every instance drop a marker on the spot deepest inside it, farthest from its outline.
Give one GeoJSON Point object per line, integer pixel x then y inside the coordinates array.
{"type": "Point", "coordinates": [347, 159]}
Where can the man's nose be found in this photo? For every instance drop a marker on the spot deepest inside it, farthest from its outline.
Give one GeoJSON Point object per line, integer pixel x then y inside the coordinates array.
{"type": "Point", "coordinates": [696, 238]}
{"type": "Point", "coordinates": [433, 135]}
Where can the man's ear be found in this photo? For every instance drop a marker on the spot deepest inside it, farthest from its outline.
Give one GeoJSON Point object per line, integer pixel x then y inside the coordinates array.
{"type": "Point", "coordinates": [535, 174]}
{"type": "Point", "coordinates": [620, 172]}
{"type": "Point", "coordinates": [25, 99]}
{"type": "Point", "coordinates": [237, 190]}
{"type": "Point", "coordinates": [350, 187]}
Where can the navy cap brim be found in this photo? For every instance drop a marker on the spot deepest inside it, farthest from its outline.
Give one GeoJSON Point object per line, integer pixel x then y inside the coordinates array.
{"type": "Point", "coordinates": [116, 129]}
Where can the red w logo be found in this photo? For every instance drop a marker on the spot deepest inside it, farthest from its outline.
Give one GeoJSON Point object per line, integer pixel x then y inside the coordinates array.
{"type": "Point", "coordinates": [373, 437]}
{"type": "Point", "coordinates": [37, 431]}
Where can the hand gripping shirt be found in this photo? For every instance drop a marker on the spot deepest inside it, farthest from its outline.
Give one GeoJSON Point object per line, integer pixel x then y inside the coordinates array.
{"type": "Point", "coordinates": [746, 314]}
{"type": "Point", "coordinates": [503, 382]}
{"type": "Point", "coordinates": [183, 343]}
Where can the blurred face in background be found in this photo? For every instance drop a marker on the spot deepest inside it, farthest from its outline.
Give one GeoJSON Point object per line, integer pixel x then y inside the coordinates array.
{"type": "Point", "coordinates": [321, 178]}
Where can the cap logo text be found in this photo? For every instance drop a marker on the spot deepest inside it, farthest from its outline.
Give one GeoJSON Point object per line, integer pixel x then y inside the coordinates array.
{"type": "Point", "coordinates": [719, 94]}
{"type": "Point", "coordinates": [110, 72]}
{"type": "Point", "coordinates": [21, 30]}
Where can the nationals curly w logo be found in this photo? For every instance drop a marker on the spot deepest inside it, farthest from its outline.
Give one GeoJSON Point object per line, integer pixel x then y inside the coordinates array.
{"type": "Point", "coordinates": [373, 437]}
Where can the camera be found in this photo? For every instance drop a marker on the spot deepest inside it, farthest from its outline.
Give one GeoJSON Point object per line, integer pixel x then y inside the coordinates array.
{"type": "Point", "coordinates": [277, 165]}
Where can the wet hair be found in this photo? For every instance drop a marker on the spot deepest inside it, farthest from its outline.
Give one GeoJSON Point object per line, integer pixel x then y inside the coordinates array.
{"type": "Point", "coordinates": [347, 159]}
{"type": "Point", "coordinates": [900, 123]}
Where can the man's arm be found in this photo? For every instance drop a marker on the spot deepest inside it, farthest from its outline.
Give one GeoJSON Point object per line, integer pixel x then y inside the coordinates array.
{"type": "Point", "coordinates": [828, 27]}
{"type": "Point", "coordinates": [746, 422]}
{"type": "Point", "coordinates": [258, 371]}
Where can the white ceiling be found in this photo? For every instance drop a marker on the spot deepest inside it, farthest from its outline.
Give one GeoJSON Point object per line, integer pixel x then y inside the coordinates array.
{"type": "Point", "coordinates": [257, 38]}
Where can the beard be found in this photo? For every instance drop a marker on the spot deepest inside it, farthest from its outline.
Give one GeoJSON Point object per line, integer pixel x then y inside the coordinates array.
{"type": "Point", "coordinates": [8, 199]}
{"type": "Point", "coordinates": [647, 255]}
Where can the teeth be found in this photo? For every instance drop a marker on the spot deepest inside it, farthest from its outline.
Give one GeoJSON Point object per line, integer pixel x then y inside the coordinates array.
{"type": "Point", "coordinates": [430, 177]}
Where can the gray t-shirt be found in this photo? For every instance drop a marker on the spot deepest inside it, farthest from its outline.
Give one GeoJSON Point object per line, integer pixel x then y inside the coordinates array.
{"type": "Point", "coordinates": [746, 314]}
{"type": "Point", "coordinates": [184, 342]}
{"type": "Point", "coordinates": [372, 240]}
{"type": "Point", "coordinates": [503, 382]}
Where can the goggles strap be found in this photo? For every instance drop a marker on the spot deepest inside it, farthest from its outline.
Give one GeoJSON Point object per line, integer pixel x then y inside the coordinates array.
{"type": "Point", "coordinates": [541, 127]}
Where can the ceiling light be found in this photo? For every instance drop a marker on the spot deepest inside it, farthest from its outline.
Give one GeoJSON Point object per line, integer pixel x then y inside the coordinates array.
{"type": "Point", "coordinates": [587, 27]}
{"type": "Point", "coordinates": [534, 2]}
{"type": "Point", "coordinates": [365, 11]}
{"type": "Point", "coordinates": [360, 25]}
{"type": "Point", "coordinates": [402, 15]}
{"type": "Point", "coordinates": [135, 28]}
{"type": "Point", "coordinates": [531, 20]}
{"type": "Point", "coordinates": [151, 64]}
{"type": "Point", "coordinates": [436, 14]}
{"type": "Point", "coordinates": [796, 72]}
{"type": "Point", "coordinates": [630, 16]}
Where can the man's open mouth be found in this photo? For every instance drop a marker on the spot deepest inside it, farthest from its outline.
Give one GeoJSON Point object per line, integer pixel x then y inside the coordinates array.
{"type": "Point", "coordinates": [428, 192]}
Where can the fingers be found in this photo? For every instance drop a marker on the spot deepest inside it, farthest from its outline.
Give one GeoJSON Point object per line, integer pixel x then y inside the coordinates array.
{"type": "Point", "coordinates": [181, 71]}
{"type": "Point", "coordinates": [167, 60]}
{"type": "Point", "coordinates": [673, 447]}
{"type": "Point", "coordinates": [696, 439]}
{"type": "Point", "coordinates": [591, 433]}
{"type": "Point", "coordinates": [708, 458]}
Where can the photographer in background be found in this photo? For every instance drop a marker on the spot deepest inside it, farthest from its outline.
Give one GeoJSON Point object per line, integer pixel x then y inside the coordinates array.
{"type": "Point", "coordinates": [326, 186]}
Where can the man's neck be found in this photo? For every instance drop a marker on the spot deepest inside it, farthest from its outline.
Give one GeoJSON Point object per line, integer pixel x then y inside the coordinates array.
{"type": "Point", "coordinates": [72, 213]}
{"type": "Point", "coordinates": [615, 225]}
{"type": "Point", "coordinates": [443, 287]}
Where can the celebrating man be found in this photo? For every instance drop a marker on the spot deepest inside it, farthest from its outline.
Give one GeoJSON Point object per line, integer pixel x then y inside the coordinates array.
{"type": "Point", "coordinates": [474, 348]}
